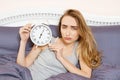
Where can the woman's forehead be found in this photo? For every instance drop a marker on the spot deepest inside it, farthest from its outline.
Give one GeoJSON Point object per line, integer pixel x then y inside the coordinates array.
{"type": "Point", "coordinates": [68, 20]}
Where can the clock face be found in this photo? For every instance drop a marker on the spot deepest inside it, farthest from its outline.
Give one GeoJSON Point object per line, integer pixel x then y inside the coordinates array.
{"type": "Point", "coordinates": [41, 34]}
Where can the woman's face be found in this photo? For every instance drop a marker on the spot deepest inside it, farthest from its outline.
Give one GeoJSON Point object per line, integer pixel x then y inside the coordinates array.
{"type": "Point", "coordinates": [69, 29]}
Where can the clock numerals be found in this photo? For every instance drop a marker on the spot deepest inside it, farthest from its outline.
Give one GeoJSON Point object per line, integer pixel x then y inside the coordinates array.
{"type": "Point", "coordinates": [33, 31]}
{"type": "Point", "coordinates": [32, 35]}
{"type": "Point", "coordinates": [34, 39]}
{"type": "Point", "coordinates": [40, 35]}
{"type": "Point", "coordinates": [36, 28]}
{"type": "Point", "coordinates": [48, 37]}
{"type": "Point", "coordinates": [46, 41]}
{"type": "Point", "coordinates": [38, 42]}
{"type": "Point", "coordinates": [42, 42]}
{"type": "Point", "coordinates": [39, 27]}
{"type": "Point", "coordinates": [49, 34]}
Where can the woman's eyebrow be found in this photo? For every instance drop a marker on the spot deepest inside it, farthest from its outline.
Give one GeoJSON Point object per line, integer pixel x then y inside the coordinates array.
{"type": "Point", "coordinates": [64, 25]}
{"type": "Point", "coordinates": [74, 26]}
{"type": "Point", "coordinates": [70, 25]}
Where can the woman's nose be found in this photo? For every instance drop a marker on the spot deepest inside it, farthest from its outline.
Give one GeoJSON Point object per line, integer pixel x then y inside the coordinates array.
{"type": "Point", "coordinates": [67, 32]}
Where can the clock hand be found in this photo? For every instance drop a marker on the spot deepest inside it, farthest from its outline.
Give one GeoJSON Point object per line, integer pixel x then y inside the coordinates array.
{"type": "Point", "coordinates": [41, 34]}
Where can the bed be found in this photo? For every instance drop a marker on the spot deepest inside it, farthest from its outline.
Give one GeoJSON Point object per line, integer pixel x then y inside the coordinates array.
{"type": "Point", "coordinates": [49, 16]}
{"type": "Point", "coordinates": [106, 30]}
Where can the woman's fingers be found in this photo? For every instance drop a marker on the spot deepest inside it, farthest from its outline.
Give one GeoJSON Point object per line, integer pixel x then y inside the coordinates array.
{"type": "Point", "coordinates": [26, 28]}
{"type": "Point", "coordinates": [55, 48]}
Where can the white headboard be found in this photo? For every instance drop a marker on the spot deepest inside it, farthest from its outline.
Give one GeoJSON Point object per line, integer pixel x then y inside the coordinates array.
{"type": "Point", "coordinates": [38, 16]}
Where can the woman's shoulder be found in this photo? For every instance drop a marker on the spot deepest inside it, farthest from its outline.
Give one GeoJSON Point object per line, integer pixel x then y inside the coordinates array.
{"type": "Point", "coordinates": [53, 39]}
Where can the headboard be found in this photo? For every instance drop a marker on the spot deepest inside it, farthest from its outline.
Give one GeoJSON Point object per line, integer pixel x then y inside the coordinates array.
{"type": "Point", "coordinates": [38, 16]}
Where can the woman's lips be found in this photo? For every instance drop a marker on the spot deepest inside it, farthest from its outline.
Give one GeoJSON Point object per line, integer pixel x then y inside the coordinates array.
{"type": "Point", "coordinates": [67, 38]}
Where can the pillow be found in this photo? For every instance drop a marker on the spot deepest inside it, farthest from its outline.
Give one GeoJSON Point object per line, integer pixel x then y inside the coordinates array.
{"type": "Point", "coordinates": [55, 30]}
{"type": "Point", "coordinates": [9, 39]}
{"type": "Point", "coordinates": [106, 72]}
{"type": "Point", "coordinates": [107, 38]}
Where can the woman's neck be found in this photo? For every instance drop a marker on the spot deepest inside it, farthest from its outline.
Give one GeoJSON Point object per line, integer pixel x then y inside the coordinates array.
{"type": "Point", "coordinates": [66, 44]}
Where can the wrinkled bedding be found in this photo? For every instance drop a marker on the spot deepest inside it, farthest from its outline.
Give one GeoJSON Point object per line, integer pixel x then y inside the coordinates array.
{"type": "Point", "coordinates": [107, 38]}
{"type": "Point", "coordinates": [9, 70]}
{"type": "Point", "coordinates": [67, 76]}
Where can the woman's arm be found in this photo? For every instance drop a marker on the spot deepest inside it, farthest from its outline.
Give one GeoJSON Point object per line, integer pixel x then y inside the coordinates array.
{"type": "Point", "coordinates": [84, 71]}
{"type": "Point", "coordinates": [29, 59]}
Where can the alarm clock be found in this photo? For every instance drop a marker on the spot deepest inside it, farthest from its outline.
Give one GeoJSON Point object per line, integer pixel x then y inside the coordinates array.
{"type": "Point", "coordinates": [40, 35]}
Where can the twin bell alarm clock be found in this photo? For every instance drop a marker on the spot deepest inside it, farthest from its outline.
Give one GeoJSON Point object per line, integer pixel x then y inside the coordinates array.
{"type": "Point", "coordinates": [41, 34]}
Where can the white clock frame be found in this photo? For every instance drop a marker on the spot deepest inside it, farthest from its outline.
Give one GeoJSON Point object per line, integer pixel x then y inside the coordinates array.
{"type": "Point", "coordinates": [41, 34]}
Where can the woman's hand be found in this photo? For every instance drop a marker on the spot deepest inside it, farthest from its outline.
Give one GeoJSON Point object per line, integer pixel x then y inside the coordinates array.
{"type": "Point", "coordinates": [58, 49]}
{"type": "Point", "coordinates": [25, 32]}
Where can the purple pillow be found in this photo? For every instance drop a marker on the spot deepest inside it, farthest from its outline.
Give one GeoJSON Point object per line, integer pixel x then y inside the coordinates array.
{"type": "Point", "coordinates": [55, 30]}
{"type": "Point", "coordinates": [106, 72]}
{"type": "Point", "coordinates": [108, 38]}
{"type": "Point", "coordinates": [9, 39]}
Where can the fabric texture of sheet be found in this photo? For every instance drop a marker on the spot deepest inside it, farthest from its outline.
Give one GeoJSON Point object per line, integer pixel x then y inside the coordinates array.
{"type": "Point", "coordinates": [9, 70]}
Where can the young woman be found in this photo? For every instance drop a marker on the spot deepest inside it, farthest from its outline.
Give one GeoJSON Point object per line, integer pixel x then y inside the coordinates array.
{"type": "Point", "coordinates": [76, 44]}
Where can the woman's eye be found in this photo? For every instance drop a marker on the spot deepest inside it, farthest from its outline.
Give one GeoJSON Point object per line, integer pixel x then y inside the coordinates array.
{"type": "Point", "coordinates": [74, 27]}
{"type": "Point", "coordinates": [63, 26]}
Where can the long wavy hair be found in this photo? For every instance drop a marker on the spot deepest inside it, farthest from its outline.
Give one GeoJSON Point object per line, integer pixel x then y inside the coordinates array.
{"type": "Point", "coordinates": [87, 47]}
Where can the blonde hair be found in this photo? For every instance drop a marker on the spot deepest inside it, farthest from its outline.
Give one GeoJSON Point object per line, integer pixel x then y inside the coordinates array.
{"type": "Point", "coordinates": [87, 48]}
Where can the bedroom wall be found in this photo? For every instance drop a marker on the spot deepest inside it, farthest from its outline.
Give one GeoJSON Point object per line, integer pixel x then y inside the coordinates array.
{"type": "Point", "coordinates": [96, 7]}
